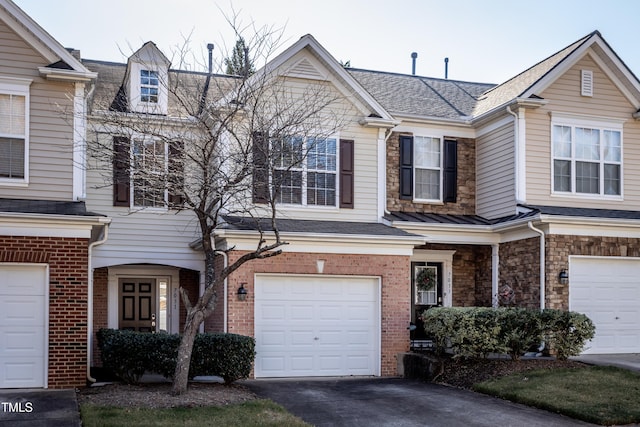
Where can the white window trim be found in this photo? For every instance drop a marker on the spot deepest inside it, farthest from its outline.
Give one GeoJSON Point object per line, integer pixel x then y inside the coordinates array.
{"type": "Point", "coordinates": [602, 124]}
{"type": "Point", "coordinates": [441, 170]}
{"type": "Point", "coordinates": [304, 205]}
{"type": "Point", "coordinates": [132, 204]}
{"type": "Point", "coordinates": [20, 87]}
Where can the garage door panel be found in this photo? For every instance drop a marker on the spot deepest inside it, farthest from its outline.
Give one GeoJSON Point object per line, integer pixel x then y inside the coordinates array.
{"type": "Point", "coordinates": [22, 326]}
{"type": "Point", "coordinates": [329, 325]}
{"type": "Point", "coordinates": [607, 290]}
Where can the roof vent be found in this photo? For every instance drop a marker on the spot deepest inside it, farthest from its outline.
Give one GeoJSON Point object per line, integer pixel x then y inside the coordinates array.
{"type": "Point", "coordinates": [414, 55]}
{"type": "Point", "coordinates": [586, 86]}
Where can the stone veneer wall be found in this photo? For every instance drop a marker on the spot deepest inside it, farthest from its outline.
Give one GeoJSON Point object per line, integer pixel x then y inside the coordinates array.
{"type": "Point", "coordinates": [520, 269]}
{"type": "Point", "coordinates": [396, 290]}
{"type": "Point", "coordinates": [68, 278]}
{"type": "Point", "coordinates": [560, 247]}
{"type": "Point", "coordinates": [466, 199]}
{"type": "Point", "coordinates": [471, 274]}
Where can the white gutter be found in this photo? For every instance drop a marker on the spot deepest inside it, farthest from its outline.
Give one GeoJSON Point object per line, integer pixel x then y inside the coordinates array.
{"type": "Point", "coordinates": [542, 265]}
{"type": "Point", "coordinates": [225, 306]}
{"type": "Point", "coordinates": [90, 299]}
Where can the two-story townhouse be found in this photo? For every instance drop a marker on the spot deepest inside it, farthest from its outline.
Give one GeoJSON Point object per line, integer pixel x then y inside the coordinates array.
{"type": "Point", "coordinates": [46, 233]}
{"type": "Point", "coordinates": [525, 191]}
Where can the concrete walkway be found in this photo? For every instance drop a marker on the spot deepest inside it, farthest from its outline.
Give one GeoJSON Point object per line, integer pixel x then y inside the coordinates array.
{"type": "Point", "coordinates": [397, 402]}
{"type": "Point", "coordinates": [629, 361]}
{"type": "Point", "coordinates": [39, 408]}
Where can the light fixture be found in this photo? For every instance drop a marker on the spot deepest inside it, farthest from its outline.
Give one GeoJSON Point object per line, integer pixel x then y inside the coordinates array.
{"type": "Point", "coordinates": [242, 292]}
{"type": "Point", "coordinates": [563, 277]}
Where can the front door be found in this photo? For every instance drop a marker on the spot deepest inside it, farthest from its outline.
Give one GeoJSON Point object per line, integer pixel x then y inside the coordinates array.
{"type": "Point", "coordinates": [137, 304]}
{"type": "Point", "coordinates": [426, 291]}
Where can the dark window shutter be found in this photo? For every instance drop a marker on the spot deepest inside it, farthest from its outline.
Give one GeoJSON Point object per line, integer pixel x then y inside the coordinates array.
{"type": "Point", "coordinates": [406, 167]}
{"type": "Point", "coordinates": [346, 174]}
{"type": "Point", "coordinates": [450, 172]}
{"type": "Point", "coordinates": [260, 167]}
{"type": "Point", "coordinates": [176, 174]}
{"type": "Point", "coordinates": [121, 166]}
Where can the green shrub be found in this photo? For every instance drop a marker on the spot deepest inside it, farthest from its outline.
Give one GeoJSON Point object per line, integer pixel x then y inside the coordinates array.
{"type": "Point", "coordinates": [475, 332]}
{"type": "Point", "coordinates": [130, 354]}
{"type": "Point", "coordinates": [520, 329]}
{"type": "Point", "coordinates": [566, 331]}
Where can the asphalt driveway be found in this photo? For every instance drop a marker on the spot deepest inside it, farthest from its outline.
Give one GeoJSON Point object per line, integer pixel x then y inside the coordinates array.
{"type": "Point", "coordinates": [39, 408]}
{"type": "Point", "coordinates": [397, 402]}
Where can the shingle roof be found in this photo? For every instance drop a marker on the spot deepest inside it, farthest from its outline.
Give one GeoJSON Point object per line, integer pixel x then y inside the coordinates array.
{"type": "Point", "coordinates": [315, 227]}
{"type": "Point", "coordinates": [423, 96]}
{"type": "Point", "coordinates": [450, 219]}
{"type": "Point", "coordinates": [45, 207]}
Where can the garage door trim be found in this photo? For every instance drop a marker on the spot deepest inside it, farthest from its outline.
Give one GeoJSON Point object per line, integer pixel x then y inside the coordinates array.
{"type": "Point", "coordinates": [45, 275]}
{"type": "Point", "coordinates": [377, 327]}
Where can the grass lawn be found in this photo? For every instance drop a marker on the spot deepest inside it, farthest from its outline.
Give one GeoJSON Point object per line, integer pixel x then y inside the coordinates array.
{"type": "Point", "coordinates": [252, 413]}
{"type": "Point", "coordinates": [601, 395]}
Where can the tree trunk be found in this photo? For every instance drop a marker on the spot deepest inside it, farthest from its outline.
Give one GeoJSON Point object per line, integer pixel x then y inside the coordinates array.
{"type": "Point", "coordinates": [181, 375]}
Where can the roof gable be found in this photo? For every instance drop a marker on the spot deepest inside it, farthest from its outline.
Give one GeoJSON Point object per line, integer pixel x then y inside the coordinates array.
{"type": "Point", "coordinates": [533, 81]}
{"type": "Point", "coordinates": [62, 65]}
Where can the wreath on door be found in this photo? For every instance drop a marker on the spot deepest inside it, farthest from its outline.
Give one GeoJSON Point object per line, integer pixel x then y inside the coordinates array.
{"type": "Point", "coordinates": [426, 279]}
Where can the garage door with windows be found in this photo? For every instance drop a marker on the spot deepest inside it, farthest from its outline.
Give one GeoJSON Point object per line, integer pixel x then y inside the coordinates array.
{"type": "Point", "coordinates": [317, 326]}
{"type": "Point", "coordinates": [607, 290]}
{"type": "Point", "coordinates": [23, 331]}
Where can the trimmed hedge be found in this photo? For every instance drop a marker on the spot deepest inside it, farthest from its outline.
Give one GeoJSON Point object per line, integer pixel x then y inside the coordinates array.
{"type": "Point", "coordinates": [130, 354]}
{"type": "Point", "coordinates": [474, 332]}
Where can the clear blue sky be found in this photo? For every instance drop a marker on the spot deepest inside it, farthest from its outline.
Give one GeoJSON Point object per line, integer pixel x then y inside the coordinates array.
{"type": "Point", "coordinates": [485, 40]}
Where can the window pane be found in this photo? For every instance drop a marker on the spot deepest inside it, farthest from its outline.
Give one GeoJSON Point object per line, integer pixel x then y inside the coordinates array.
{"type": "Point", "coordinates": [612, 146]}
{"type": "Point", "coordinates": [427, 152]}
{"type": "Point", "coordinates": [562, 175]}
{"type": "Point", "coordinates": [562, 141]}
{"type": "Point", "coordinates": [321, 189]}
{"type": "Point", "coordinates": [587, 144]}
{"type": "Point", "coordinates": [289, 185]}
{"type": "Point", "coordinates": [12, 119]}
{"type": "Point", "coordinates": [149, 169]}
{"type": "Point", "coordinates": [427, 184]}
{"type": "Point", "coordinates": [11, 158]}
{"type": "Point", "coordinates": [612, 179]}
{"type": "Point", "coordinates": [587, 177]}
{"type": "Point", "coordinates": [321, 154]}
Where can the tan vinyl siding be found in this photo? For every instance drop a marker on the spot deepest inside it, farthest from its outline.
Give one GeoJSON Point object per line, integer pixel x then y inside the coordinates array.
{"type": "Point", "coordinates": [607, 103]}
{"type": "Point", "coordinates": [50, 128]}
{"type": "Point", "coordinates": [495, 191]}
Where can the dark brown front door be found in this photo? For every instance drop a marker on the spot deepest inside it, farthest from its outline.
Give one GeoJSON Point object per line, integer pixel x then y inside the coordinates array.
{"type": "Point", "coordinates": [137, 304]}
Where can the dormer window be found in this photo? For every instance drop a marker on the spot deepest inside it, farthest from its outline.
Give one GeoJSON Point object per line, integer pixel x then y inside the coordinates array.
{"type": "Point", "coordinates": [149, 86]}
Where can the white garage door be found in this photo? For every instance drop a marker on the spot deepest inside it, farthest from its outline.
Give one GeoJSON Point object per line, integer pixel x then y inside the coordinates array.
{"type": "Point", "coordinates": [607, 289]}
{"type": "Point", "coordinates": [22, 326]}
{"type": "Point", "coordinates": [316, 326]}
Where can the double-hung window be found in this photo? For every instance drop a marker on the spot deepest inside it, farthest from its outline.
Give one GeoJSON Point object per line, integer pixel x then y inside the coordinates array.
{"type": "Point", "coordinates": [149, 86]}
{"type": "Point", "coordinates": [587, 157]}
{"type": "Point", "coordinates": [14, 98]}
{"type": "Point", "coordinates": [305, 171]}
{"type": "Point", "coordinates": [149, 173]}
{"type": "Point", "coordinates": [427, 168]}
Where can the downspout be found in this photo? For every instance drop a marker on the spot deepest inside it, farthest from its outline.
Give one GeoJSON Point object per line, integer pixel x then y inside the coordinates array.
{"type": "Point", "coordinates": [542, 264]}
{"type": "Point", "coordinates": [495, 273]}
{"type": "Point", "coordinates": [225, 257]}
{"type": "Point", "coordinates": [105, 235]}
{"type": "Point", "coordinates": [518, 152]}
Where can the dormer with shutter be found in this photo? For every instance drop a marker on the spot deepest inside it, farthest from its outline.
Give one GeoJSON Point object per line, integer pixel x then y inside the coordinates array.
{"type": "Point", "coordinates": [146, 80]}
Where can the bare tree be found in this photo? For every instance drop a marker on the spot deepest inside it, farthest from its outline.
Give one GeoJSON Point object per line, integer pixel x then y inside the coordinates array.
{"type": "Point", "coordinates": [232, 142]}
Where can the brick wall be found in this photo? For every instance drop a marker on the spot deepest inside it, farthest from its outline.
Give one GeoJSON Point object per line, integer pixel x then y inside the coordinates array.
{"type": "Point", "coordinates": [396, 288]}
{"type": "Point", "coordinates": [215, 322]}
{"type": "Point", "coordinates": [520, 269]}
{"type": "Point", "coordinates": [68, 263]}
{"type": "Point", "coordinates": [100, 309]}
{"type": "Point", "coordinates": [190, 281]}
{"type": "Point", "coordinates": [466, 200]}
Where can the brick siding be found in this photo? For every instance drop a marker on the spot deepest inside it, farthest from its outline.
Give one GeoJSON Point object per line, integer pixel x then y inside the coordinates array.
{"type": "Point", "coordinates": [396, 288]}
{"type": "Point", "coordinates": [68, 279]}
